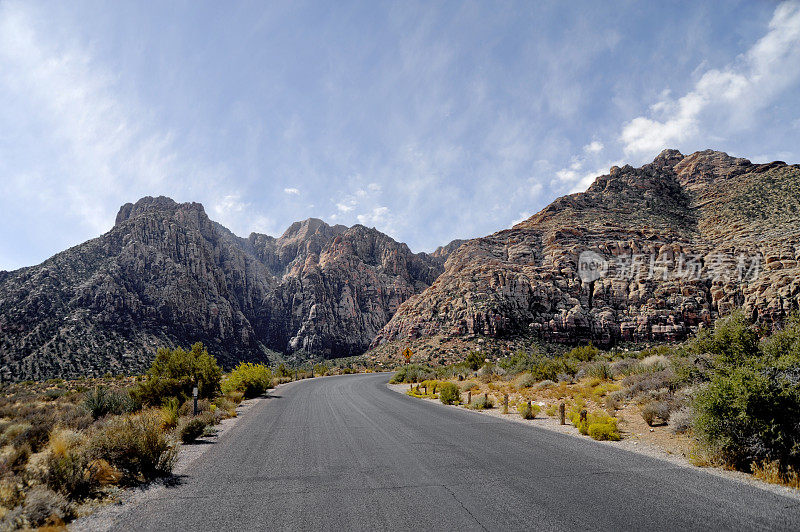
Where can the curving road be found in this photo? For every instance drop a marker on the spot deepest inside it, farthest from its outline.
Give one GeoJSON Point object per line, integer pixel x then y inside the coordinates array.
{"type": "Point", "coordinates": [345, 453]}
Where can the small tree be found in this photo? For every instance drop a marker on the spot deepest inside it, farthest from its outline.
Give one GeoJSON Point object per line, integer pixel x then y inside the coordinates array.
{"type": "Point", "coordinates": [176, 371]}
{"type": "Point", "coordinates": [474, 361]}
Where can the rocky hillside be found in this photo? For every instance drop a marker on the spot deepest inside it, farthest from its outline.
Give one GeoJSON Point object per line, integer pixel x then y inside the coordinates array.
{"type": "Point", "coordinates": [673, 245]}
{"type": "Point", "coordinates": [167, 275]}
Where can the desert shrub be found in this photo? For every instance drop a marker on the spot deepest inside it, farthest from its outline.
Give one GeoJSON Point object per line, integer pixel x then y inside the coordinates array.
{"type": "Point", "coordinates": [430, 385]}
{"type": "Point", "coordinates": [15, 459]}
{"type": "Point", "coordinates": [597, 425]}
{"type": "Point", "coordinates": [750, 414]}
{"type": "Point", "coordinates": [69, 473]}
{"type": "Point", "coordinates": [638, 383]}
{"type": "Point", "coordinates": [474, 361]}
{"type": "Point", "coordinates": [603, 431]}
{"type": "Point", "coordinates": [613, 401]}
{"type": "Point", "coordinates": [136, 446]}
{"type": "Point", "coordinates": [192, 428]}
{"type": "Point", "coordinates": [600, 370]}
{"type": "Point", "coordinates": [551, 410]}
{"type": "Point", "coordinates": [250, 379]}
{"type": "Point", "coordinates": [412, 373]}
{"type": "Point", "coordinates": [526, 380]}
{"type": "Point", "coordinates": [226, 405]}
{"type": "Point", "coordinates": [468, 385]}
{"type": "Point", "coordinates": [449, 393]}
{"type": "Point", "coordinates": [100, 402]}
{"type": "Point", "coordinates": [691, 369]}
{"type": "Point", "coordinates": [43, 506]}
{"type": "Point", "coordinates": [584, 353]}
{"type": "Point", "coordinates": [175, 372]}
{"type": "Point", "coordinates": [657, 411]}
{"type": "Point", "coordinates": [681, 420]}
{"type": "Point", "coordinates": [484, 402]}
{"type": "Point", "coordinates": [624, 367]}
{"type": "Point", "coordinates": [169, 412]}
{"type": "Point", "coordinates": [528, 411]}
{"type": "Point", "coordinates": [543, 384]}
{"type": "Point", "coordinates": [774, 473]}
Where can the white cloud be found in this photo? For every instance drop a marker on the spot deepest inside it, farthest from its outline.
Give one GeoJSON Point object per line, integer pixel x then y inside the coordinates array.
{"type": "Point", "coordinates": [345, 207]}
{"type": "Point", "coordinates": [374, 187]}
{"type": "Point", "coordinates": [291, 191]}
{"type": "Point", "coordinates": [594, 147]}
{"type": "Point", "coordinates": [731, 95]}
{"type": "Point", "coordinates": [522, 217]}
{"type": "Point", "coordinates": [378, 216]}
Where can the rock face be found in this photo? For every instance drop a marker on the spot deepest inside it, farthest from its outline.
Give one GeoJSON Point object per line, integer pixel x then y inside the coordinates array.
{"type": "Point", "coordinates": [645, 254]}
{"type": "Point", "coordinates": [166, 275]}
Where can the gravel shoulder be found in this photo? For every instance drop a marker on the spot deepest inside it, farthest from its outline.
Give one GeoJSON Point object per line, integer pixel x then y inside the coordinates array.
{"type": "Point", "coordinates": [631, 443]}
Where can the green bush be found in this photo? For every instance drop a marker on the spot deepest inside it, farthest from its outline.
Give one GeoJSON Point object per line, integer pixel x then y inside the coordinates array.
{"type": "Point", "coordinates": [250, 379]}
{"type": "Point", "coordinates": [733, 340]}
{"type": "Point", "coordinates": [474, 361]}
{"type": "Point", "coordinates": [528, 411]}
{"type": "Point", "coordinates": [100, 402]}
{"type": "Point", "coordinates": [748, 414]}
{"type": "Point", "coordinates": [598, 425]}
{"type": "Point", "coordinates": [449, 394]}
{"type": "Point", "coordinates": [175, 372]}
{"type": "Point", "coordinates": [600, 370]}
{"type": "Point", "coordinates": [192, 428]}
{"type": "Point", "coordinates": [483, 402]}
{"type": "Point", "coordinates": [603, 431]}
{"type": "Point", "coordinates": [136, 445]}
{"type": "Point", "coordinates": [584, 353]}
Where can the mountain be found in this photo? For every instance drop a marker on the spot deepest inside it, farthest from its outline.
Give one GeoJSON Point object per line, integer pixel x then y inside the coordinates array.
{"type": "Point", "coordinates": [580, 270]}
{"type": "Point", "coordinates": [167, 275]}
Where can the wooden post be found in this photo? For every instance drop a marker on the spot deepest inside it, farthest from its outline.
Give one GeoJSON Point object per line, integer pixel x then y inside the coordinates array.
{"type": "Point", "coordinates": [410, 387]}
{"type": "Point", "coordinates": [583, 416]}
{"type": "Point", "coordinates": [469, 397]}
{"type": "Point", "coordinates": [425, 389]}
{"type": "Point", "coordinates": [505, 404]}
{"type": "Point", "coordinates": [562, 412]}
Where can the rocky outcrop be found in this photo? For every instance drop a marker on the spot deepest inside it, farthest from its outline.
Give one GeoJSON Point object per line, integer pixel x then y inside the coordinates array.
{"type": "Point", "coordinates": [166, 275]}
{"type": "Point", "coordinates": [645, 254]}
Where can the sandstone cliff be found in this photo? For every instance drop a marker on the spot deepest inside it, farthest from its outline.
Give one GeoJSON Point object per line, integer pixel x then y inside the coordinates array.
{"type": "Point", "coordinates": [167, 275]}
{"type": "Point", "coordinates": [735, 224]}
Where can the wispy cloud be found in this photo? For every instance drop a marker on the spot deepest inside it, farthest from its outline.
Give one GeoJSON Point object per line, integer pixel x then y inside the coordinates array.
{"type": "Point", "coordinates": [108, 142]}
{"type": "Point", "coordinates": [291, 191]}
{"type": "Point", "coordinates": [732, 95]}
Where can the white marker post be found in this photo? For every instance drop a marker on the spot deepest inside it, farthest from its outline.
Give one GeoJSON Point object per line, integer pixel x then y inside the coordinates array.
{"type": "Point", "coordinates": [194, 396]}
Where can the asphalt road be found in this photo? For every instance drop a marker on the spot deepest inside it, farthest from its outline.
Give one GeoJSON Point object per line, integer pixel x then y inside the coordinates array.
{"type": "Point", "coordinates": [346, 453]}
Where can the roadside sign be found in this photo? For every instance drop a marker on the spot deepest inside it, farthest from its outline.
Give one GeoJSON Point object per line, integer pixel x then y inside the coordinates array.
{"type": "Point", "coordinates": [407, 354]}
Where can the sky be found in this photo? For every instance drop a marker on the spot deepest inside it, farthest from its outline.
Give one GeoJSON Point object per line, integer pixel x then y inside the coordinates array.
{"type": "Point", "coordinates": [429, 121]}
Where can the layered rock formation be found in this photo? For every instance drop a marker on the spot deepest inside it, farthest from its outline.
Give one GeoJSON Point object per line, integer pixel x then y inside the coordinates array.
{"type": "Point", "coordinates": [166, 275]}
{"type": "Point", "coordinates": [673, 244]}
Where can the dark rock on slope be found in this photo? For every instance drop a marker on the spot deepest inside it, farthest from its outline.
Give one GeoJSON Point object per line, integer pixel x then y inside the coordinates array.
{"type": "Point", "coordinates": [166, 275]}
{"type": "Point", "coordinates": [674, 235]}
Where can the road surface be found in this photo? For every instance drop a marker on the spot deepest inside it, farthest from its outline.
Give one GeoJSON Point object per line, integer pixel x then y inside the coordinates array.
{"type": "Point", "coordinates": [346, 453]}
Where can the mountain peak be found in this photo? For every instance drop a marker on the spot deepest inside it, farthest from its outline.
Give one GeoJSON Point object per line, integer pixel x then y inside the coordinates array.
{"type": "Point", "coordinates": [150, 203]}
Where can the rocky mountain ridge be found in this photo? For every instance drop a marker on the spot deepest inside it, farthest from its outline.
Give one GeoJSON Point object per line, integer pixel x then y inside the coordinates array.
{"type": "Point", "coordinates": [683, 239]}
{"type": "Point", "coordinates": [167, 275]}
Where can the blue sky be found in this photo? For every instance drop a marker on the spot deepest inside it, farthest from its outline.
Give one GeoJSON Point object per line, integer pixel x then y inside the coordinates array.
{"type": "Point", "coordinates": [430, 121]}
